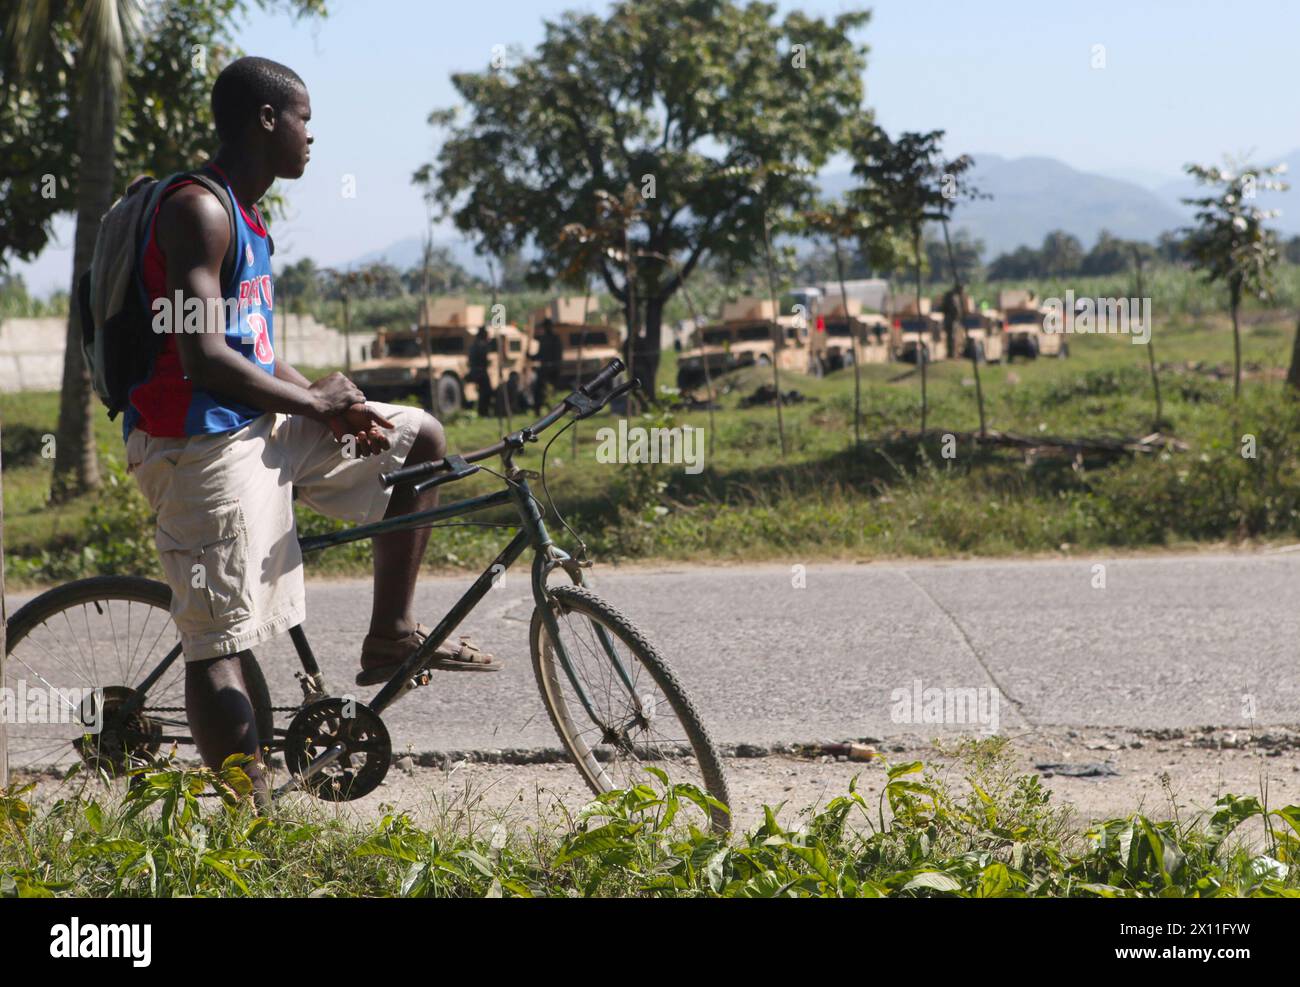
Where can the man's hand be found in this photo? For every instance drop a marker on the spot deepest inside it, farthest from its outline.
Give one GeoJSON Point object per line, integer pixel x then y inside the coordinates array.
{"type": "Point", "coordinates": [364, 424]}
{"type": "Point", "coordinates": [334, 395]}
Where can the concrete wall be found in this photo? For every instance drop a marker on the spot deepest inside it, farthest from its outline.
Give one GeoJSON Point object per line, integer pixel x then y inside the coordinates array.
{"type": "Point", "coordinates": [31, 354]}
{"type": "Point", "coordinates": [31, 350]}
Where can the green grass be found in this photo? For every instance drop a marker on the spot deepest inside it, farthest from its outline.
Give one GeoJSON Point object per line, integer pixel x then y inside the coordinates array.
{"type": "Point", "coordinates": [891, 497]}
{"type": "Point", "coordinates": [992, 833]}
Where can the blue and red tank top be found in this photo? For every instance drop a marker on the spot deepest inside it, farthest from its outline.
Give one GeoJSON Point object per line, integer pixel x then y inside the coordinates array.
{"type": "Point", "coordinates": [167, 403]}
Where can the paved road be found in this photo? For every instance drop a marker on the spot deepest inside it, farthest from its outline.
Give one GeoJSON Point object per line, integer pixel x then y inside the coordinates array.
{"type": "Point", "coordinates": [1169, 641]}
{"type": "Point", "coordinates": [1175, 641]}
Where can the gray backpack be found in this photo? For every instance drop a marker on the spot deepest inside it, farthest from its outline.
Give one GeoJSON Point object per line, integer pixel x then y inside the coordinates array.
{"type": "Point", "coordinates": [117, 336]}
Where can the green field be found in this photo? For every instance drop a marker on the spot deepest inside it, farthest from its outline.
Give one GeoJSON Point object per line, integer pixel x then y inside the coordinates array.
{"type": "Point", "coordinates": [892, 496]}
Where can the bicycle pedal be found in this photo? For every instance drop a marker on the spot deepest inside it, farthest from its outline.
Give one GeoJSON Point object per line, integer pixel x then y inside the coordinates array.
{"type": "Point", "coordinates": [420, 678]}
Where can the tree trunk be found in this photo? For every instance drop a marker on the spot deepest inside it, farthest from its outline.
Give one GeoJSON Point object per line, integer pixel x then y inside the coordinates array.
{"type": "Point", "coordinates": [961, 306]}
{"type": "Point", "coordinates": [857, 356]}
{"type": "Point", "coordinates": [647, 354]}
{"type": "Point", "coordinates": [1293, 375]}
{"type": "Point", "coordinates": [776, 327]}
{"type": "Point", "coordinates": [1151, 348]}
{"type": "Point", "coordinates": [1236, 345]}
{"type": "Point", "coordinates": [923, 351]}
{"type": "Point", "coordinates": [708, 377]}
{"type": "Point", "coordinates": [76, 465]}
{"type": "Point", "coordinates": [4, 619]}
{"type": "Point", "coordinates": [426, 333]}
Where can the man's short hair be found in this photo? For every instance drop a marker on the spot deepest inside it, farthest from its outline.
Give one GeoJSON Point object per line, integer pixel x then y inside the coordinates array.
{"type": "Point", "coordinates": [244, 87]}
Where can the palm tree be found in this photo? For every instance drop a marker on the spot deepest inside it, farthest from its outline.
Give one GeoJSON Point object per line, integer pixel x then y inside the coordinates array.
{"type": "Point", "coordinates": [104, 31]}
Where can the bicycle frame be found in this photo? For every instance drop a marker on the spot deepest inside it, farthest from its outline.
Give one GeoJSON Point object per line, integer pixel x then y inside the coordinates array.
{"type": "Point", "coordinates": [532, 533]}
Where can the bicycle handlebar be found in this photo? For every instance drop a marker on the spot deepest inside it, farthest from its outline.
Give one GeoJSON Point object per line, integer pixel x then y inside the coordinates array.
{"type": "Point", "coordinates": [612, 370]}
{"type": "Point", "coordinates": [516, 440]}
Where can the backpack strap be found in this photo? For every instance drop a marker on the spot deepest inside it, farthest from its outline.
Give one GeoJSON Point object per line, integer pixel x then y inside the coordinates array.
{"type": "Point", "coordinates": [223, 196]}
{"type": "Point", "coordinates": [163, 188]}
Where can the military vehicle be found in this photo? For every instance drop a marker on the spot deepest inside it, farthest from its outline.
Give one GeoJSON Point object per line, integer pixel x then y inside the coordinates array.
{"type": "Point", "coordinates": [1024, 335]}
{"type": "Point", "coordinates": [917, 333]}
{"type": "Point", "coordinates": [982, 334]}
{"type": "Point", "coordinates": [750, 334]}
{"type": "Point", "coordinates": [403, 359]}
{"type": "Point", "coordinates": [832, 342]}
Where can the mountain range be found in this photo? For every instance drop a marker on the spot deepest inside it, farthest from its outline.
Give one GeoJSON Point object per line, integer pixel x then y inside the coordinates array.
{"type": "Point", "coordinates": [1030, 197]}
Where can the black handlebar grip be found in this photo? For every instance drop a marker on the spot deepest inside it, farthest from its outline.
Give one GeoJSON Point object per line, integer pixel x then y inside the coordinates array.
{"type": "Point", "coordinates": [592, 386]}
{"type": "Point", "coordinates": [409, 473]}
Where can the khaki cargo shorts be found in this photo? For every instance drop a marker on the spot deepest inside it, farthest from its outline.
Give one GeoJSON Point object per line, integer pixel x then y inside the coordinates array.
{"type": "Point", "coordinates": [226, 533]}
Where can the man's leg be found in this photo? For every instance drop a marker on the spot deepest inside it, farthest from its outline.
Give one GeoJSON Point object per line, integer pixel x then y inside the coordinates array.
{"type": "Point", "coordinates": [399, 553]}
{"type": "Point", "coordinates": [222, 719]}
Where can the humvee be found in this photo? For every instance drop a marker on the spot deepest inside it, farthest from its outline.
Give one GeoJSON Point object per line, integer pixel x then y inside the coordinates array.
{"type": "Point", "coordinates": [588, 346]}
{"type": "Point", "coordinates": [918, 334]}
{"type": "Point", "coordinates": [1024, 335]}
{"type": "Point", "coordinates": [750, 334]}
{"type": "Point", "coordinates": [401, 368]}
{"type": "Point", "coordinates": [832, 343]}
{"type": "Point", "coordinates": [982, 333]}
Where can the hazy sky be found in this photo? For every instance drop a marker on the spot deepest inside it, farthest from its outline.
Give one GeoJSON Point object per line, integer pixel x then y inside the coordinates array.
{"type": "Point", "coordinates": [1182, 81]}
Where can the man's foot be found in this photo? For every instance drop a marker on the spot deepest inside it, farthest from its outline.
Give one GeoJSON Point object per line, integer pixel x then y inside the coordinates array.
{"type": "Point", "coordinates": [381, 657]}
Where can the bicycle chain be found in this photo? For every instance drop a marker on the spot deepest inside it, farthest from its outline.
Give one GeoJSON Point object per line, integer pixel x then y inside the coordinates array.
{"type": "Point", "coordinates": [181, 709]}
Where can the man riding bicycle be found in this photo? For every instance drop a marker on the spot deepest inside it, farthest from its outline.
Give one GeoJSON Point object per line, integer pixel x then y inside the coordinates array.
{"type": "Point", "coordinates": [221, 431]}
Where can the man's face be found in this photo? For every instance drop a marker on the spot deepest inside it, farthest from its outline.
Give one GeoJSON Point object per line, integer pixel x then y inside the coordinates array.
{"type": "Point", "coordinates": [290, 139]}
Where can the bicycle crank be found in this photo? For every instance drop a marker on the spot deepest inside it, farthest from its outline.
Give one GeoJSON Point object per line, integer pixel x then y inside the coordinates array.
{"type": "Point", "coordinates": [337, 749]}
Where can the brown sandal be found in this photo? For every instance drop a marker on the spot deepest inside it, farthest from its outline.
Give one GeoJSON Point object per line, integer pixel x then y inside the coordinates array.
{"type": "Point", "coordinates": [381, 657]}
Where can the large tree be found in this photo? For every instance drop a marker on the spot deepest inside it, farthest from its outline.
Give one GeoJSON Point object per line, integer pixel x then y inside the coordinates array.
{"type": "Point", "coordinates": [101, 89]}
{"type": "Point", "coordinates": [666, 97]}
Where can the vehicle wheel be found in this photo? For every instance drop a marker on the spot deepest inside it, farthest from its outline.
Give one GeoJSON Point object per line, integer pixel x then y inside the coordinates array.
{"type": "Point", "coordinates": [654, 726]}
{"type": "Point", "coordinates": [451, 395]}
{"type": "Point", "coordinates": [109, 633]}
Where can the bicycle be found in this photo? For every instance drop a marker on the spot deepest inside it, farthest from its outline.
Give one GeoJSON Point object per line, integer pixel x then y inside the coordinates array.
{"type": "Point", "coordinates": [336, 747]}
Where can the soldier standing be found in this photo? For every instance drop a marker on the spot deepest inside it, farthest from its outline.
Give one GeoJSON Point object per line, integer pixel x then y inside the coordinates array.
{"type": "Point", "coordinates": [479, 349]}
{"type": "Point", "coordinates": [550, 354]}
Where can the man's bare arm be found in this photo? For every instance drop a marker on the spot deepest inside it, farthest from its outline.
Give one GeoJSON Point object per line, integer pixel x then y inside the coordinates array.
{"type": "Point", "coordinates": [193, 232]}
{"type": "Point", "coordinates": [287, 372]}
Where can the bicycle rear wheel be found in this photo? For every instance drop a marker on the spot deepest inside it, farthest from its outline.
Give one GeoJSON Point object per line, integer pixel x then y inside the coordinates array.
{"type": "Point", "coordinates": [106, 633]}
{"type": "Point", "coordinates": [619, 731]}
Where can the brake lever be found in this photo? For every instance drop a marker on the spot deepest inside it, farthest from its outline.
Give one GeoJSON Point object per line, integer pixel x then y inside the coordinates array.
{"type": "Point", "coordinates": [623, 388]}
{"type": "Point", "coordinates": [458, 470]}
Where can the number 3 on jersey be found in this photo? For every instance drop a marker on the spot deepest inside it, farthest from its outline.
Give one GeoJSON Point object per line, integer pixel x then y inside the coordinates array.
{"type": "Point", "coordinates": [261, 338]}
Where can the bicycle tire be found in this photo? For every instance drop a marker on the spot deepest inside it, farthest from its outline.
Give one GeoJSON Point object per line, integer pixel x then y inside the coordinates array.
{"type": "Point", "coordinates": [586, 603]}
{"type": "Point", "coordinates": [151, 592]}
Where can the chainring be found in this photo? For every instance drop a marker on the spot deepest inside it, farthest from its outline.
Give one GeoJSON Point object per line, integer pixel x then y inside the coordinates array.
{"type": "Point", "coordinates": [367, 751]}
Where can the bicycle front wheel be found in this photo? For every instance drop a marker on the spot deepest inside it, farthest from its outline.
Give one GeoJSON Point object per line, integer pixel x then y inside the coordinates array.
{"type": "Point", "coordinates": [618, 706]}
